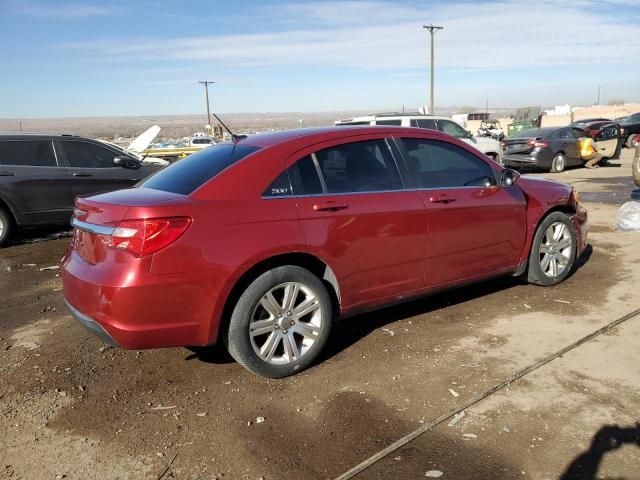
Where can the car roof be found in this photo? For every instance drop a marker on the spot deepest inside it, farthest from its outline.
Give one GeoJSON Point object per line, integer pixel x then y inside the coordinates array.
{"type": "Point", "coordinates": [392, 115]}
{"type": "Point", "coordinates": [37, 136]}
{"type": "Point", "coordinates": [320, 134]}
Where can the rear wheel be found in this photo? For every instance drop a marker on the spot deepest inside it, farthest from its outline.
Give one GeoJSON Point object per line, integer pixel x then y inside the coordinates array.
{"type": "Point", "coordinates": [553, 250]}
{"type": "Point", "coordinates": [631, 140]}
{"type": "Point", "coordinates": [6, 226]}
{"type": "Point", "coordinates": [558, 163]}
{"type": "Point", "coordinates": [280, 323]}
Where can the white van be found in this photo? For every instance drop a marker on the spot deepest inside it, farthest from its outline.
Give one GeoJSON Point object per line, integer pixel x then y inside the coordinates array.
{"type": "Point", "coordinates": [489, 146]}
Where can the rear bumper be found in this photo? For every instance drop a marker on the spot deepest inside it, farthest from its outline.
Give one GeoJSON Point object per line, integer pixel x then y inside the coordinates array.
{"type": "Point", "coordinates": [91, 325]}
{"type": "Point", "coordinates": [535, 160]}
{"type": "Point", "coordinates": [127, 306]}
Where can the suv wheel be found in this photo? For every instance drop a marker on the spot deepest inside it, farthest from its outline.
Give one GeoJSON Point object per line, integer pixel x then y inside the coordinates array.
{"type": "Point", "coordinates": [553, 251]}
{"type": "Point", "coordinates": [6, 226]}
{"type": "Point", "coordinates": [280, 323]}
{"type": "Point", "coordinates": [558, 163]}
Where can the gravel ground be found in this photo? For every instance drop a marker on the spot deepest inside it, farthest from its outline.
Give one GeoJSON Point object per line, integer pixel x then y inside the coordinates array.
{"type": "Point", "coordinates": [72, 408]}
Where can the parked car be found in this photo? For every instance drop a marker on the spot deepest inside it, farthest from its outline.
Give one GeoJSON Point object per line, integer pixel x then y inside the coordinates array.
{"type": "Point", "coordinates": [488, 146]}
{"type": "Point", "coordinates": [41, 174]}
{"type": "Point", "coordinates": [261, 243]}
{"type": "Point", "coordinates": [630, 129]}
{"type": "Point", "coordinates": [549, 148]}
{"type": "Point", "coordinates": [591, 126]}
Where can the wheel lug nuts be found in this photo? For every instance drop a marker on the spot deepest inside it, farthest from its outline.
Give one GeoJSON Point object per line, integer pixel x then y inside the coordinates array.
{"type": "Point", "coordinates": [284, 331]}
{"type": "Point", "coordinates": [277, 327]}
{"type": "Point", "coordinates": [279, 315]}
{"type": "Point", "coordinates": [292, 323]}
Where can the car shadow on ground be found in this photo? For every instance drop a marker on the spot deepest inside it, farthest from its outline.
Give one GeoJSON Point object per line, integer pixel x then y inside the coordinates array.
{"type": "Point", "coordinates": [346, 332]}
{"type": "Point", "coordinates": [28, 235]}
{"type": "Point", "coordinates": [608, 438]}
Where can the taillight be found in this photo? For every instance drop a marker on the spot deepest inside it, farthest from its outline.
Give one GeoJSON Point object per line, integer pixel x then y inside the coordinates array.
{"type": "Point", "coordinates": [146, 236]}
{"type": "Point", "coordinates": [537, 143]}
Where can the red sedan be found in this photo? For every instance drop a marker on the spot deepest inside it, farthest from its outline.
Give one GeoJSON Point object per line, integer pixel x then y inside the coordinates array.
{"type": "Point", "coordinates": [262, 242]}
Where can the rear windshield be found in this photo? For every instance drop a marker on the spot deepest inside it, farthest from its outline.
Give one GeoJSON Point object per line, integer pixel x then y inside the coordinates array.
{"type": "Point", "coordinates": [186, 175]}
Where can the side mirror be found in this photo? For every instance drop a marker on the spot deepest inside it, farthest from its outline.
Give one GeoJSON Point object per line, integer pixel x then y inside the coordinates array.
{"type": "Point", "coordinates": [126, 162]}
{"type": "Point", "coordinates": [508, 177]}
{"type": "Point", "coordinates": [469, 134]}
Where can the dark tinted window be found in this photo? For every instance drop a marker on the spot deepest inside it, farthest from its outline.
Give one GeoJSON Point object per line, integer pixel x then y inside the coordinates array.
{"type": "Point", "coordinates": [201, 141]}
{"type": "Point", "coordinates": [452, 128]}
{"type": "Point", "coordinates": [565, 134]}
{"type": "Point", "coordinates": [427, 123]}
{"type": "Point", "coordinates": [304, 177]}
{"type": "Point", "coordinates": [87, 155]}
{"type": "Point", "coordinates": [396, 123]}
{"type": "Point", "coordinates": [607, 133]}
{"type": "Point", "coordinates": [436, 164]}
{"type": "Point", "coordinates": [352, 123]}
{"type": "Point", "coordinates": [358, 167]}
{"type": "Point", "coordinates": [185, 175]}
{"type": "Point", "coordinates": [280, 187]}
{"type": "Point", "coordinates": [27, 153]}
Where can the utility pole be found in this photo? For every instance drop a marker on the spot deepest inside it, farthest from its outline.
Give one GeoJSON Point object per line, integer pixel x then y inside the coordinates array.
{"type": "Point", "coordinates": [206, 84]}
{"type": "Point", "coordinates": [432, 30]}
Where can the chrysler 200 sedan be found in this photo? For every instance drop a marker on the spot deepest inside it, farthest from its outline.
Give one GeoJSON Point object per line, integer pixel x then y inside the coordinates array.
{"type": "Point", "coordinates": [262, 242]}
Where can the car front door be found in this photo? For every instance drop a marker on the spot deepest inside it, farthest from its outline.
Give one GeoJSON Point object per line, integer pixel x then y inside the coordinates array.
{"type": "Point", "coordinates": [607, 139]}
{"type": "Point", "coordinates": [356, 216]}
{"type": "Point", "coordinates": [475, 226]}
{"type": "Point", "coordinates": [33, 181]}
{"type": "Point", "coordinates": [93, 170]}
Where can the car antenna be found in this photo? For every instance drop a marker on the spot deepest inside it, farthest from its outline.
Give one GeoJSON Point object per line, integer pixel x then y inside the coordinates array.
{"type": "Point", "coordinates": [235, 138]}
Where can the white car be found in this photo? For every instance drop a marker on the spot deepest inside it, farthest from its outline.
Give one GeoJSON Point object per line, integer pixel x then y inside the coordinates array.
{"type": "Point", "coordinates": [489, 146]}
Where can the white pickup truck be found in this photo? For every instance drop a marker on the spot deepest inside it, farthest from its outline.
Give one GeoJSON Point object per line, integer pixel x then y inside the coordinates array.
{"type": "Point", "coordinates": [489, 146]}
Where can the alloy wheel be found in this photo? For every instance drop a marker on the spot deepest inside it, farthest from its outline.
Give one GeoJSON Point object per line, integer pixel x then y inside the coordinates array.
{"type": "Point", "coordinates": [285, 323]}
{"type": "Point", "coordinates": [556, 249]}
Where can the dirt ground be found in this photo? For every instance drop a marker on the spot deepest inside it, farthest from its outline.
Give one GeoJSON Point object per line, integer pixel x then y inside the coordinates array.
{"type": "Point", "coordinates": [72, 408]}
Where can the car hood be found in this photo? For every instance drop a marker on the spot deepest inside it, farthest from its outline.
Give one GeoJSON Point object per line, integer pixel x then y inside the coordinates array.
{"type": "Point", "coordinates": [485, 144]}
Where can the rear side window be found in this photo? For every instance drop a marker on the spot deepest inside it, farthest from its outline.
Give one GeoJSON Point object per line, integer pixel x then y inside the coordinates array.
{"type": "Point", "coordinates": [565, 134]}
{"type": "Point", "coordinates": [30, 153]}
{"type": "Point", "coordinates": [186, 175]}
{"type": "Point", "coordinates": [427, 123]}
{"type": "Point", "coordinates": [358, 167]}
{"type": "Point", "coordinates": [396, 123]}
{"type": "Point", "coordinates": [437, 164]}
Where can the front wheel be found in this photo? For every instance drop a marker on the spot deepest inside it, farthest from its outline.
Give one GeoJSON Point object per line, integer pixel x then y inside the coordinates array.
{"type": "Point", "coordinates": [558, 163]}
{"type": "Point", "coordinates": [631, 140]}
{"type": "Point", "coordinates": [553, 250]}
{"type": "Point", "coordinates": [280, 323]}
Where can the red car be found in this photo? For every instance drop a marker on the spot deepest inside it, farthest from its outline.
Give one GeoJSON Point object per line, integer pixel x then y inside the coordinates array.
{"type": "Point", "coordinates": [260, 243]}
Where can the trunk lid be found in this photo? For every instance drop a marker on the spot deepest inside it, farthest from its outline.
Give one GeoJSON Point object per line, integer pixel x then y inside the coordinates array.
{"type": "Point", "coordinates": [521, 145]}
{"type": "Point", "coordinates": [95, 218]}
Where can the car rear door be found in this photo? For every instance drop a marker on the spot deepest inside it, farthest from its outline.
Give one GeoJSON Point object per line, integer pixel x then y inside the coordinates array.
{"type": "Point", "coordinates": [475, 226]}
{"type": "Point", "coordinates": [569, 144]}
{"type": "Point", "coordinates": [92, 167]}
{"type": "Point", "coordinates": [34, 182]}
{"type": "Point", "coordinates": [356, 216]}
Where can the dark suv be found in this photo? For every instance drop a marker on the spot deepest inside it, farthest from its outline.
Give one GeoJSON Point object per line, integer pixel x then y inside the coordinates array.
{"type": "Point", "coordinates": [41, 174]}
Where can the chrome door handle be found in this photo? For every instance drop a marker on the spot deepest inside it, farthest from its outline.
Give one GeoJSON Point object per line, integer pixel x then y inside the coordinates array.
{"type": "Point", "coordinates": [442, 199]}
{"type": "Point", "coordinates": [329, 206]}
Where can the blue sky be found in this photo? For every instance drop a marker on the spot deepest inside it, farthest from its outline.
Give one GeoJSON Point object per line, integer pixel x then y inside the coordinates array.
{"type": "Point", "coordinates": [96, 58]}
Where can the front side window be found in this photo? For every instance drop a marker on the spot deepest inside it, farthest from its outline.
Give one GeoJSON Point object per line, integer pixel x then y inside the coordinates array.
{"type": "Point", "coordinates": [87, 155]}
{"type": "Point", "coordinates": [427, 123]}
{"type": "Point", "coordinates": [28, 153]}
{"type": "Point", "coordinates": [438, 164]}
{"type": "Point", "coordinates": [452, 128]}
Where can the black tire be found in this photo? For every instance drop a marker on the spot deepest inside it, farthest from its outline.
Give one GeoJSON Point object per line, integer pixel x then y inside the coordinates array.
{"type": "Point", "coordinates": [238, 339]}
{"type": "Point", "coordinates": [535, 273]}
{"type": "Point", "coordinates": [559, 163]}
{"type": "Point", "coordinates": [6, 227]}
{"type": "Point", "coordinates": [631, 139]}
